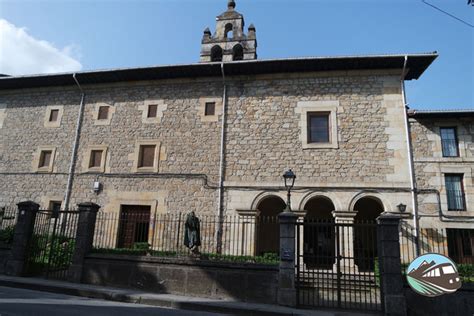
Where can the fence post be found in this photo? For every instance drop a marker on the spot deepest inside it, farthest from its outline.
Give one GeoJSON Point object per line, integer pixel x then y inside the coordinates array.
{"type": "Point", "coordinates": [286, 277]}
{"type": "Point", "coordinates": [22, 237]}
{"type": "Point", "coordinates": [390, 265]}
{"type": "Point", "coordinates": [84, 238]}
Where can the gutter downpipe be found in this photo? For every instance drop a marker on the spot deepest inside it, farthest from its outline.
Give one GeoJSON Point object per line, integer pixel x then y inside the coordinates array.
{"type": "Point", "coordinates": [75, 146]}
{"type": "Point", "coordinates": [220, 208]}
{"type": "Point", "coordinates": [410, 161]}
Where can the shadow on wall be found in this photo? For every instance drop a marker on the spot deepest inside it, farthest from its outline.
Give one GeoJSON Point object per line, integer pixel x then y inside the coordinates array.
{"type": "Point", "coordinates": [185, 276]}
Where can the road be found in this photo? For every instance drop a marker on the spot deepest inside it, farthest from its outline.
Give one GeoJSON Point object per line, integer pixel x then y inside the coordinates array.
{"type": "Point", "coordinates": [16, 302]}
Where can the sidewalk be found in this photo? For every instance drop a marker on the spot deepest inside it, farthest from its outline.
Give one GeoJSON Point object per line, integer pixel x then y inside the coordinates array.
{"type": "Point", "coordinates": [162, 300]}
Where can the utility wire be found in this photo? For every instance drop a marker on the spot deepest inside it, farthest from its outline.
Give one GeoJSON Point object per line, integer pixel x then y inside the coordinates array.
{"type": "Point", "coordinates": [447, 13]}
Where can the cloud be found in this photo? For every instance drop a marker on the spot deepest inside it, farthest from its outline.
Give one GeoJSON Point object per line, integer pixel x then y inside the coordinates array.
{"type": "Point", "coordinates": [22, 54]}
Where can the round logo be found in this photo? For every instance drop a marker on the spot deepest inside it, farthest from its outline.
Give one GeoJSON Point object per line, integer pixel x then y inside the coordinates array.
{"type": "Point", "coordinates": [433, 274]}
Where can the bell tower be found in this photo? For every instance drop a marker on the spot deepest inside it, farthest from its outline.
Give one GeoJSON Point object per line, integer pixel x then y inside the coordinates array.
{"type": "Point", "coordinates": [229, 42]}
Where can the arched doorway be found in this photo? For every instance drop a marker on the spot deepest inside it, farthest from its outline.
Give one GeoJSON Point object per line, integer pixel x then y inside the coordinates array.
{"type": "Point", "coordinates": [365, 232]}
{"type": "Point", "coordinates": [319, 238]}
{"type": "Point", "coordinates": [268, 229]}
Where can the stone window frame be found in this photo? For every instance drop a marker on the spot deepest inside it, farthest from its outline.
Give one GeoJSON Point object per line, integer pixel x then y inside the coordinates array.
{"type": "Point", "coordinates": [162, 106]}
{"type": "Point", "coordinates": [3, 113]}
{"type": "Point", "coordinates": [57, 123]}
{"type": "Point", "coordinates": [202, 109]}
{"type": "Point", "coordinates": [136, 156]}
{"type": "Point", "coordinates": [95, 114]}
{"type": "Point", "coordinates": [468, 185]}
{"type": "Point", "coordinates": [304, 108]}
{"type": "Point", "coordinates": [103, 159]}
{"type": "Point", "coordinates": [37, 157]}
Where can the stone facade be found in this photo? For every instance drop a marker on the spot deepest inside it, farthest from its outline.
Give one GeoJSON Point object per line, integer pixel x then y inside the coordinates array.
{"type": "Point", "coordinates": [431, 168]}
{"type": "Point", "coordinates": [262, 140]}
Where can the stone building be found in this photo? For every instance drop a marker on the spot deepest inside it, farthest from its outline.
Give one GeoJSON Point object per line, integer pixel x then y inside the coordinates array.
{"type": "Point", "coordinates": [216, 136]}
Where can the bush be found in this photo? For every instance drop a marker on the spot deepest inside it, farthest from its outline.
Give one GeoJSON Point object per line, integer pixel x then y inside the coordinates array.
{"type": "Point", "coordinates": [6, 234]}
{"type": "Point", "coordinates": [141, 246]}
{"type": "Point", "coordinates": [466, 272]}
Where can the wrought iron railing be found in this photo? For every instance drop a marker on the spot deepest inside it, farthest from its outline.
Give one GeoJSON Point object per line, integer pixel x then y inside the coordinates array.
{"type": "Point", "coordinates": [231, 238]}
{"type": "Point", "coordinates": [458, 244]}
{"type": "Point", "coordinates": [8, 218]}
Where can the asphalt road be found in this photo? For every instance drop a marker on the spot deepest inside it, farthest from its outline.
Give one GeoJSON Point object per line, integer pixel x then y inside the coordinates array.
{"type": "Point", "coordinates": [26, 302]}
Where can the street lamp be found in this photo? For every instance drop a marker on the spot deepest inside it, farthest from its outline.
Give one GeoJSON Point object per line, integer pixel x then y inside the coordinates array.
{"type": "Point", "coordinates": [289, 178]}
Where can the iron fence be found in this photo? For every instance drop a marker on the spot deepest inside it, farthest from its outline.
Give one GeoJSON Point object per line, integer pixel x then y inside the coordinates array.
{"type": "Point", "coordinates": [52, 244]}
{"type": "Point", "coordinates": [337, 264]}
{"type": "Point", "coordinates": [8, 217]}
{"type": "Point", "coordinates": [456, 243]}
{"type": "Point", "coordinates": [163, 235]}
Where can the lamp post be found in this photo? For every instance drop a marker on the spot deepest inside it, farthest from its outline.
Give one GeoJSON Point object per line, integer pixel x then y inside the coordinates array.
{"type": "Point", "coordinates": [289, 178]}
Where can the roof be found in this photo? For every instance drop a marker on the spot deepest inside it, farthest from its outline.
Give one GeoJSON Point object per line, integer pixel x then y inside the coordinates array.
{"type": "Point", "coordinates": [416, 65]}
{"type": "Point", "coordinates": [441, 113]}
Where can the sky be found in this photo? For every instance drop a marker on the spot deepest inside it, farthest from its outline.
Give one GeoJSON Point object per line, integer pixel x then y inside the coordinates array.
{"type": "Point", "coordinates": [48, 36]}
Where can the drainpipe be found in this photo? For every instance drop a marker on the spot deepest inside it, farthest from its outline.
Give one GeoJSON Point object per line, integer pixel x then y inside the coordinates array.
{"type": "Point", "coordinates": [410, 161]}
{"type": "Point", "coordinates": [75, 146]}
{"type": "Point", "coordinates": [220, 207]}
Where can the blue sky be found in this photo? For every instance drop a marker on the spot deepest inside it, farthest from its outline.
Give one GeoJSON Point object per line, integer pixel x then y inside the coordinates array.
{"type": "Point", "coordinates": [98, 34]}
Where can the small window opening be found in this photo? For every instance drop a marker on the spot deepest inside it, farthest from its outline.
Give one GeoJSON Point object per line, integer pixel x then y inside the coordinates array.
{"type": "Point", "coordinates": [96, 158]}
{"type": "Point", "coordinates": [147, 156]}
{"type": "Point", "coordinates": [103, 113]}
{"type": "Point", "coordinates": [53, 115]}
{"type": "Point", "coordinates": [210, 109]}
{"type": "Point", "coordinates": [152, 110]}
{"type": "Point", "coordinates": [238, 52]}
{"type": "Point", "coordinates": [45, 158]}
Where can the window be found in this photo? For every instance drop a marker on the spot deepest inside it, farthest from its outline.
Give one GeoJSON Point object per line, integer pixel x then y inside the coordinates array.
{"type": "Point", "coordinates": [455, 192]}
{"type": "Point", "coordinates": [449, 142]}
{"type": "Point", "coordinates": [103, 113]}
{"type": "Point", "coordinates": [45, 158]}
{"type": "Point", "coordinates": [55, 206]}
{"type": "Point", "coordinates": [152, 110]}
{"type": "Point", "coordinates": [146, 156]}
{"type": "Point", "coordinates": [460, 244]}
{"type": "Point", "coordinates": [96, 159]}
{"type": "Point", "coordinates": [53, 115]}
{"type": "Point", "coordinates": [210, 108]}
{"type": "Point", "coordinates": [238, 52]}
{"type": "Point", "coordinates": [318, 127]}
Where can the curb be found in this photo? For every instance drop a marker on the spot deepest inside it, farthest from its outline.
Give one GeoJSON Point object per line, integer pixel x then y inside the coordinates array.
{"type": "Point", "coordinates": [119, 296]}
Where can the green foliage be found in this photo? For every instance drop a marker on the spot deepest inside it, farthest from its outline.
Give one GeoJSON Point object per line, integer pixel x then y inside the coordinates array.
{"type": "Point", "coordinates": [141, 246]}
{"type": "Point", "coordinates": [6, 234]}
{"type": "Point", "coordinates": [269, 258]}
{"type": "Point", "coordinates": [466, 272]}
{"type": "Point", "coordinates": [57, 251]}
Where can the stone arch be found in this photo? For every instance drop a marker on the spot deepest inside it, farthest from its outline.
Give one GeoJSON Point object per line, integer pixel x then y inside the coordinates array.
{"type": "Point", "coordinates": [267, 225]}
{"type": "Point", "coordinates": [216, 53]}
{"type": "Point", "coordinates": [380, 198]}
{"type": "Point", "coordinates": [319, 239]}
{"type": "Point", "coordinates": [263, 195]}
{"type": "Point", "coordinates": [327, 195]}
{"type": "Point", "coordinates": [229, 28]}
{"type": "Point", "coordinates": [238, 52]}
{"type": "Point", "coordinates": [367, 207]}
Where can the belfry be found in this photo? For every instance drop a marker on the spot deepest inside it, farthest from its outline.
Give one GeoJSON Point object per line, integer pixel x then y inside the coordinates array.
{"type": "Point", "coordinates": [229, 42]}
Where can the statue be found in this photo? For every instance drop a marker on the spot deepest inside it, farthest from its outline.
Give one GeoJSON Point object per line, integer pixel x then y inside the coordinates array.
{"type": "Point", "coordinates": [192, 233]}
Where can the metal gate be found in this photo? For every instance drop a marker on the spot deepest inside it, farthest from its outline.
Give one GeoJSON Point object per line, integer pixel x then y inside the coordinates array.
{"type": "Point", "coordinates": [337, 265]}
{"type": "Point", "coordinates": [52, 244]}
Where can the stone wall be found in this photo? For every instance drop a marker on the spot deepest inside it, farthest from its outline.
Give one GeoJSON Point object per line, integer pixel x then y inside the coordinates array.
{"type": "Point", "coordinates": [430, 167]}
{"type": "Point", "coordinates": [245, 282]}
{"type": "Point", "coordinates": [263, 138]}
{"type": "Point", "coordinates": [5, 254]}
{"type": "Point", "coordinates": [460, 303]}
